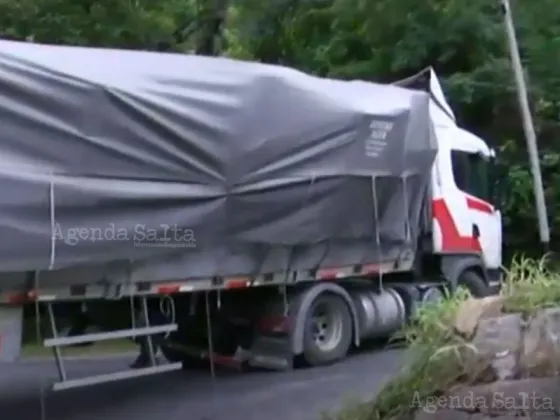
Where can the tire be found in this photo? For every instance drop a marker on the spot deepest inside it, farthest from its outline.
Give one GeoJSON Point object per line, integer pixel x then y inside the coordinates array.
{"type": "Point", "coordinates": [328, 330]}
{"type": "Point", "coordinates": [474, 283]}
{"type": "Point", "coordinates": [172, 355]}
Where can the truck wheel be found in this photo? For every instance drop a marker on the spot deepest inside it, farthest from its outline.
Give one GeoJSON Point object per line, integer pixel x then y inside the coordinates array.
{"type": "Point", "coordinates": [474, 283]}
{"type": "Point", "coordinates": [171, 354]}
{"type": "Point", "coordinates": [328, 332]}
{"type": "Point", "coordinates": [175, 355]}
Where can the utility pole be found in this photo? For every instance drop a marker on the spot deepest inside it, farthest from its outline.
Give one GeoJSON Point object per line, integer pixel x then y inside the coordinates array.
{"type": "Point", "coordinates": [528, 126]}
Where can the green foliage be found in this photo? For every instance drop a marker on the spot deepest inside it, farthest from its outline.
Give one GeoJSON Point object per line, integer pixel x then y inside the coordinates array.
{"type": "Point", "coordinates": [382, 40]}
{"type": "Point", "coordinates": [519, 203]}
{"type": "Point", "coordinates": [532, 284]}
{"type": "Point", "coordinates": [140, 24]}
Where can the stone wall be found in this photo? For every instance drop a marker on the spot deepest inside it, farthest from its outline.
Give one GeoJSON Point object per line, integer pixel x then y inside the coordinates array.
{"type": "Point", "coordinates": [516, 360]}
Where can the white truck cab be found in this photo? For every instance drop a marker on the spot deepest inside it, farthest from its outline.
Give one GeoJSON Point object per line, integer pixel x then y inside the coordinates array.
{"type": "Point", "coordinates": [465, 216]}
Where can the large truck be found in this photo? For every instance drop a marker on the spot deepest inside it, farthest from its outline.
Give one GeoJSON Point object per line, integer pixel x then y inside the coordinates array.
{"type": "Point", "coordinates": [281, 217]}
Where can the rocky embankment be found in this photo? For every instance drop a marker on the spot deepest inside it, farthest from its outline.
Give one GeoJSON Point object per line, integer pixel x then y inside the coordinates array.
{"type": "Point", "coordinates": [512, 361]}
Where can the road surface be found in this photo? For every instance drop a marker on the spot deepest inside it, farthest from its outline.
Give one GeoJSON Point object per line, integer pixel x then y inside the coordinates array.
{"type": "Point", "coordinates": [194, 395]}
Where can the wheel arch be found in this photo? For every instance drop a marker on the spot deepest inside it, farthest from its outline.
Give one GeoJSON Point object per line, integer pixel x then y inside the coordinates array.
{"type": "Point", "coordinates": [452, 266]}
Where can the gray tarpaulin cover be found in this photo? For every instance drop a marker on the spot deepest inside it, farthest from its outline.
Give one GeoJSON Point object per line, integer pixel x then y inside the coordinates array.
{"type": "Point", "coordinates": [193, 166]}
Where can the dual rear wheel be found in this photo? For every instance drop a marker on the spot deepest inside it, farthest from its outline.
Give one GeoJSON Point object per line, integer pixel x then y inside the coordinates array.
{"type": "Point", "coordinates": [328, 332]}
{"type": "Point", "coordinates": [329, 325]}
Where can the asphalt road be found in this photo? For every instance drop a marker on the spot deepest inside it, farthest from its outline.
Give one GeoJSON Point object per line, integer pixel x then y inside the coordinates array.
{"type": "Point", "coordinates": [193, 395]}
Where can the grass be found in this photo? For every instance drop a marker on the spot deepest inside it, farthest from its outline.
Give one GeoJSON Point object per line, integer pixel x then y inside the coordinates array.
{"type": "Point", "coordinates": [436, 354]}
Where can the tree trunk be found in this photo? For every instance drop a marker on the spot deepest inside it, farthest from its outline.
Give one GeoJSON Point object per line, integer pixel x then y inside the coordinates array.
{"type": "Point", "coordinates": [213, 18]}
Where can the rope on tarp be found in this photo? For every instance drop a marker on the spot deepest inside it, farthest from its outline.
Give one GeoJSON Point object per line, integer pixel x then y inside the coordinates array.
{"type": "Point", "coordinates": [53, 222]}
{"type": "Point", "coordinates": [376, 226]}
{"type": "Point", "coordinates": [407, 224]}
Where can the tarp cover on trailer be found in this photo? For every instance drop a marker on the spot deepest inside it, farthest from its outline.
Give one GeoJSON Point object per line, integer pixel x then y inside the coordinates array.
{"type": "Point", "coordinates": [202, 166]}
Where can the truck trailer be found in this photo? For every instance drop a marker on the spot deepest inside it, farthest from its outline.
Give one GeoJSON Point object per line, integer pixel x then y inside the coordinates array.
{"type": "Point", "coordinates": [281, 217]}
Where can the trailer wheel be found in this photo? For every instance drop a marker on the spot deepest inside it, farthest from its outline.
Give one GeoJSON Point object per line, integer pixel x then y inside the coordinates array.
{"type": "Point", "coordinates": [474, 283]}
{"type": "Point", "coordinates": [171, 354]}
{"type": "Point", "coordinates": [328, 330]}
{"type": "Point", "coordinates": [174, 354]}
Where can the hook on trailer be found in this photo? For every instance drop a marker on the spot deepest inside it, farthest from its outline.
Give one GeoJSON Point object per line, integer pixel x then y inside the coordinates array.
{"type": "Point", "coordinates": [376, 224]}
{"type": "Point", "coordinates": [167, 309]}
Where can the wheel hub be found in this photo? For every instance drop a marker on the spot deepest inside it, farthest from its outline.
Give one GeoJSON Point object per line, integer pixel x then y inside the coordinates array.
{"type": "Point", "coordinates": [326, 327]}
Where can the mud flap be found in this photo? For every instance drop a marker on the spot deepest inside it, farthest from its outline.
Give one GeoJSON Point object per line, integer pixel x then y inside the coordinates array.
{"type": "Point", "coordinates": [11, 329]}
{"type": "Point", "coordinates": [273, 353]}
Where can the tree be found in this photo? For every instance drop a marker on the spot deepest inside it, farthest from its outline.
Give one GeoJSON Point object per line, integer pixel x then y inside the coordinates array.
{"type": "Point", "coordinates": [141, 24]}
{"type": "Point", "coordinates": [213, 17]}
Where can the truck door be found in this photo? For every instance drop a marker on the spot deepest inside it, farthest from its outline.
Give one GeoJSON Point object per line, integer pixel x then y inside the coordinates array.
{"type": "Point", "coordinates": [473, 176]}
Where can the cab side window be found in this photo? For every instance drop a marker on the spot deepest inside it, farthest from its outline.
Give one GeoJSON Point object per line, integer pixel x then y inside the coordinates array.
{"type": "Point", "coordinates": [472, 174]}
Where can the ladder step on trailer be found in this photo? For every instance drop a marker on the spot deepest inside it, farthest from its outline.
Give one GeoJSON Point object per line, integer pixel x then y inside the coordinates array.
{"type": "Point", "coordinates": [57, 342]}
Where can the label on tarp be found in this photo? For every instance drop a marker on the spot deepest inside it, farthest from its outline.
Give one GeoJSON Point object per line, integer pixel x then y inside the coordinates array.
{"type": "Point", "coordinates": [376, 142]}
